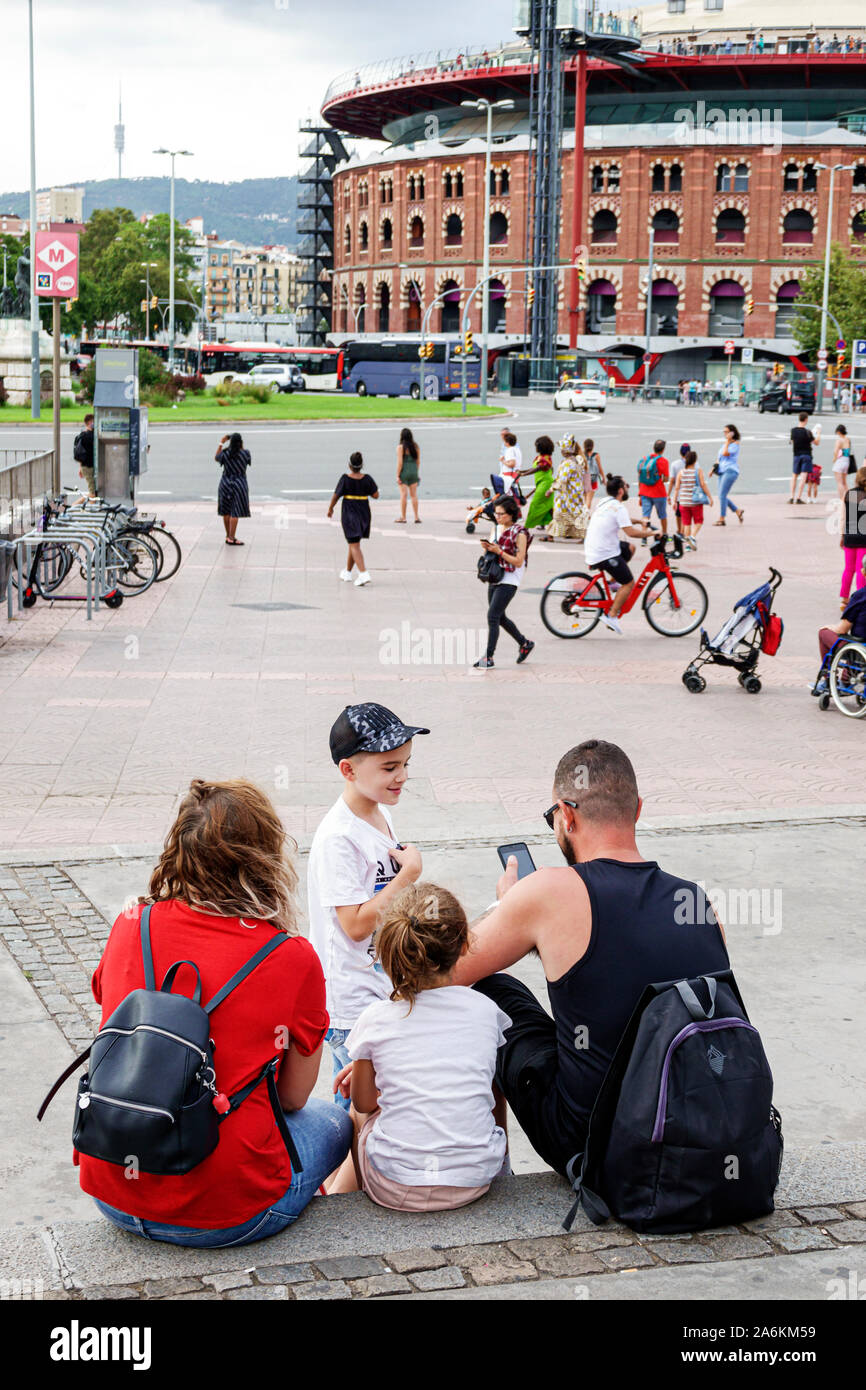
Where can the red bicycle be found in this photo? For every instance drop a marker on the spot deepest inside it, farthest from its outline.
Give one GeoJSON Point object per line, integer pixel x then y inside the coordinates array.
{"type": "Point", "coordinates": [674, 603]}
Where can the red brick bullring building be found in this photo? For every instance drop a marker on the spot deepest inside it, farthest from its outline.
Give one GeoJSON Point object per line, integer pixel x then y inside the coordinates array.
{"type": "Point", "coordinates": [716, 151]}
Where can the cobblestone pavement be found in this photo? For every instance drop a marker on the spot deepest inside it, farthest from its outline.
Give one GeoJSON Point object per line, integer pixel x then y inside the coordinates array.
{"type": "Point", "coordinates": [434, 1269]}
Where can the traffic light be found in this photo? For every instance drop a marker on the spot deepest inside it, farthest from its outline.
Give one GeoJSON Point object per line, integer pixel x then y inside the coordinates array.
{"type": "Point", "coordinates": [581, 271]}
{"type": "Point", "coordinates": [430, 349]}
{"type": "Point", "coordinates": [840, 361]}
{"type": "Point", "coordinates": [143, 305]}
{"type": "Point", "coordinates": [467, 341]}
{"type": "Point", "coordinates": [750, 305]}
{"type": "Point", "coordinates": [154, 301]}
{"type": "Point", "coordinates": [778, 369]}
{"type": "Point", "coordinates": [530, 295]}
{"type": "Point", "coordinates": [422, 350]}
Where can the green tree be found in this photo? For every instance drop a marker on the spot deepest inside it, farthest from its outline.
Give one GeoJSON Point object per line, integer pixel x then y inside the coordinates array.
{"type": "Point", "coordinates": [847, 301]}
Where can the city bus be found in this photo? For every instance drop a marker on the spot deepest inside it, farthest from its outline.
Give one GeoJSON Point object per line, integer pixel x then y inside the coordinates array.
{"type": "Point", "coordinates": [391, 367]}
{"type": "Point", "coordinates": [322, 367]}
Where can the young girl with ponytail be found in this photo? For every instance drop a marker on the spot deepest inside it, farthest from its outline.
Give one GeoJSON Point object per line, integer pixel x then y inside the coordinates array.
{"type": "Point", "coordinates": [421, 1076]}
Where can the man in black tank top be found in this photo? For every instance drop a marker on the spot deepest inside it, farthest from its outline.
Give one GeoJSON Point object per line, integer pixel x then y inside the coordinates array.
{"type": "Point", "coordinates": [605, 927]}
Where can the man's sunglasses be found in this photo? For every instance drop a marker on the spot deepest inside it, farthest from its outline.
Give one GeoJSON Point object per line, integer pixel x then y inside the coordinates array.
{"type": "Point", "coordinates": [548, 815]}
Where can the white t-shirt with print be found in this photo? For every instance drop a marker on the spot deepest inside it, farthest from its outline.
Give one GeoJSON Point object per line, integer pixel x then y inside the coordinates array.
{"type": "Point", "coordinates": [512, 462]}
{"type": "Point", "coordinates": [602, 533]}
{"type": "Point", "coordinates": [434, 1068]}
{"type": "Point", "coordinates": [349, 863]}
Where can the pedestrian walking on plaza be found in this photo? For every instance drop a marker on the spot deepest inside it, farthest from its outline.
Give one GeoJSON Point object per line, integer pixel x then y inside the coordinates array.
{"type": "Point", "coordinates": [802, 441]}
{"type": "Point", "coordinates": [355, 488]}
{"type": "Point", "coordinates": [511, 551]}
{"type": "Point", "coordinates": [853, 538]}
{"type": "Point", "coordinates": [690, 495]}
{"type": "Point", "coordinates": [408, 478]}
{"type": "Point", "coordinates": [540, 512]}
{"type": "Point", "coordinates": [510, 461]}
{"type": "Point", "coordinates": [843, 462]}
{"type": "Point", "coordinates": [82, 452]}
{"type": "Point", "coordinates": [596, 472]}
{"type": "Point", "coordinates": [570, 513]}
{"type": "Point", "coordinates": [233, 495]}
{"type": "Point", "coordinates": [728, 469]}
{"type": "Point", "coordinates": [653, 473]}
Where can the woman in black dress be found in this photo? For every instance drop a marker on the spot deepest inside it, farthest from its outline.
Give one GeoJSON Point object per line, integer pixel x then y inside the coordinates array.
{"type": "Point", "coordinates": [233, 497]}
{"type": "Point", "coordinates": [355, 488]}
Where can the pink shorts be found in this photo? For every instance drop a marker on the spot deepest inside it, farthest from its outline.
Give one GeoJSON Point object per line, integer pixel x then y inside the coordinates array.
{"type": "Point", "coordinates": [691, 514]}
{"type": "Point", "coordinates": [400, 1196]}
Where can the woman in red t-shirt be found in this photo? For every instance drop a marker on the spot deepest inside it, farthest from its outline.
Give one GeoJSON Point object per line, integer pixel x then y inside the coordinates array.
{"type": "Point", "coordinates": [224, 883]}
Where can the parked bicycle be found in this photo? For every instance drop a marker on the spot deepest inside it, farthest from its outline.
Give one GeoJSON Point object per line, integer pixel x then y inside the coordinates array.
{"type": "Point", "coordinates": [674, 603]}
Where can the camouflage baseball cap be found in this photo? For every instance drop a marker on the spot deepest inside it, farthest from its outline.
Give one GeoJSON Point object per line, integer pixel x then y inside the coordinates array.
{"type": "Point", "coordinates": [369, 728]}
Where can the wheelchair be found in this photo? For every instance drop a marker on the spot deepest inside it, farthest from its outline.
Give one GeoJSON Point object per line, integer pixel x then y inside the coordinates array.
{"type": "Point", "coordinates": [844, 672]}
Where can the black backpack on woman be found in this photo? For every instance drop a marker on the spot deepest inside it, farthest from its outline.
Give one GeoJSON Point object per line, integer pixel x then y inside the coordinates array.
{"type": "Point", "coordinates": [150, 1092]}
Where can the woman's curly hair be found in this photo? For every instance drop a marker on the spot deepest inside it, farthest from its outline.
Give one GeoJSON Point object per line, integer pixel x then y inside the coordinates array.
{"type": "Point", "coordinates": [228, 853]}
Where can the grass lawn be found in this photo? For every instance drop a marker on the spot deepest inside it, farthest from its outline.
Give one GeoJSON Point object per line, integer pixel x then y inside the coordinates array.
{"type": "Point", "coordinates": [307, 405]}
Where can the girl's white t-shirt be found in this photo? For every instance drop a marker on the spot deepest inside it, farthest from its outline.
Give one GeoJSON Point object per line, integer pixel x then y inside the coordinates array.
{"type": "Point", "coordinates": [512, 462]}
{"type": "Point", "coordinates": [434, 1068]}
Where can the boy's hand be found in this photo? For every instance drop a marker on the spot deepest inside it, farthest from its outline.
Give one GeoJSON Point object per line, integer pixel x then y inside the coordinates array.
{"type": "Point", "coordinates": [343, 1082]}
{"type": "Point", "coordinates": [409, 859]}
{"type": "Point", "coordinates": [508, 877]}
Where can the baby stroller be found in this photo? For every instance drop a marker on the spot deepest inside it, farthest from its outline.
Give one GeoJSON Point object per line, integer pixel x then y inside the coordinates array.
{"type": "Point", "coordinates": [752, 628]}
{"type": "Point", "coordinates": [490, 496]}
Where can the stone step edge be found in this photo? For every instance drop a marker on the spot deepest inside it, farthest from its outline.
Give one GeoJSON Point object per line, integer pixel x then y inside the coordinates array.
{"type": "Point", "coordinates": [805, 816]}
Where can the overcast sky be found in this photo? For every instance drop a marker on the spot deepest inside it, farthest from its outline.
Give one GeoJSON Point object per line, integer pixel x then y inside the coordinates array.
{"type": "Point", "coordinates": [227, 79]}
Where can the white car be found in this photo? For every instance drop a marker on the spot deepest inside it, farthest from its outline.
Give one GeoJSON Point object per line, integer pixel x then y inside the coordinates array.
{"type": "Point", "coordinates": [579, 394]}
{"type": "Point", "coordinates": [279, 376]}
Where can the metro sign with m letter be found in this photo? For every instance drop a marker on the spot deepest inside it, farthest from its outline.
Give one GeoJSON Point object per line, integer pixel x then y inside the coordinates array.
{"type": "Point", "coordinates": [56, 266]}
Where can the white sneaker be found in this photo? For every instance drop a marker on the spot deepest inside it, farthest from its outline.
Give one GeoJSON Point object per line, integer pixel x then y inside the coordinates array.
{"type": "Point", "coordinates": [363, 578]}
{"type": "Point", "coordinates": [612, 623]}
{"type": "Point", "coordinates": [346, 576]}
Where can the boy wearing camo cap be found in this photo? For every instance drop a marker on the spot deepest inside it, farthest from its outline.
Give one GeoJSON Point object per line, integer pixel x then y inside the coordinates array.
{"type": "Point", "coordinates": [357, 865]}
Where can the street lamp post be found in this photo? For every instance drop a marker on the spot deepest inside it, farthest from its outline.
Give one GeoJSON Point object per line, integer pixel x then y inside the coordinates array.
{"type": "Point", "coordinates": [173, 154]}
{"type": "Point", "coordinates": [35, 377]}
{"type": "Point", "coordinates": [482, 104]}
{"type": "Point", "coordinates": [649, 296]}
{"type": "Point", "coordinates": [825, 298]}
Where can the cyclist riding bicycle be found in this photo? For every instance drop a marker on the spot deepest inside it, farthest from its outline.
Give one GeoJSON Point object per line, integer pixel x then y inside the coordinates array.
{"type": "Point", "coordinates": [603, 548]}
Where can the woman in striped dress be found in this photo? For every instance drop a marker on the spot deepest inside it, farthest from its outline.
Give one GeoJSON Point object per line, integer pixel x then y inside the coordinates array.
{"type": "Point", "coordinates": [689, 492]}
{"type": "Point", "coordinates": [233, 496]}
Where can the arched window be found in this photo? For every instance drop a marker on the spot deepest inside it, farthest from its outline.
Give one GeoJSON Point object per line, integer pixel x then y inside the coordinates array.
{"type": "Point", "coordinates": [384, 308]}
{"type": "Point", "coordinates": [387, 234]}
{"type": "Point", "coordinates": [858, 228]}
{"type": "Point", "coordinates": [454, 230]}
{"type": "Point", "coordinates": [450, 316]}
{"type": "Point", "coordinates": [448, 184]}
{"type": "Point", "coordinates": [858, 183]}
{"type": "Point", "coordinates": [613, 178]}
{"type": "Point", "coordinates": [727, 309]}
{"type": "Point", "coordinates": [416, 232]}
{"type": "Point", "coordinates": [604, 227]}
{"type": "Point", "coordinates": [666, 226]}
{"type": "Point", "coordinates": [675, 179]}
{"type": "Point", "coordinates": [344, 310]}
{"type": "Point", "coordinates": [458, 184]}
{"type": "Point", "coordinates": [498, 229]}
{"type": "Point", "coordinates": [786, 308]}
{"type": "Point", "coordinates": [810, 178]}
{"type": "Point", "coordinates": [731, 227]}
{"type": "Point", "coordinates": [658, 179]}
{"type": "Point", "coordinates": [411, 188]}
{"type": "Point", "coordinates": [363, 237]}
{"type": "Point", "coordinates": [363, 194]}
{"type": "Point", "coordinates": [492, 182]}
{"type": "Point", "coordinates": [601, 307]}
{"type": "Point", "coordinates": [597, 183]}
{"type": "Point", "coordinates": [723, 178]}
{"type": "Point", "coordinates": [360, 308]}
{"type": "Point", "coordinates": [347, 240]}
{"type": "Point", "coordinates": [664, 307]}
{"type": "Point", "coordinates": [741, 178]}
{"type": "Point", "coordinates": [791, 180]}
{"type": "Point", "coordinates": [504, 182]}
{"type": "Point", "coordinates": [496, 309]}
{"type": "Point", "coordinates": [798, 228]}
{"type": "Point", "coordinates": [413, 307]}
{"type": "Point", "coordinates": [419, 188]}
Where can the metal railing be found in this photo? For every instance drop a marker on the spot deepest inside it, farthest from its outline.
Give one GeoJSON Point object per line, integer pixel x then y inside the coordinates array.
{"type": "Point", "coordinates": [417, 66]}
{"type": "Point", "coordinates": [25, 479]}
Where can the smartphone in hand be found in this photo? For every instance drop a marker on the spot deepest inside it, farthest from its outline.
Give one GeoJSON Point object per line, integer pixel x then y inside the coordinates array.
{"type": "Point", "coordinates": [525, 864]}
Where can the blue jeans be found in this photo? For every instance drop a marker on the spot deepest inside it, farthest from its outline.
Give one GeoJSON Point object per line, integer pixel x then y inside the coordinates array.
{"type": "Point", "coordinates": [323, 1137]}
{"type": "Point", "coordinates": [336, 1040]}
{"type": "Point", "coordinates": [660, 504]}
{"type": "Point", "coordinates": [726, 482]}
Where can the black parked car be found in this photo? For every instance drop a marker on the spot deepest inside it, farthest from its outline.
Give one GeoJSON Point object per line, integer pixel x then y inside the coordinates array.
{"type": "Point", "coordinates": [788, 397]}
